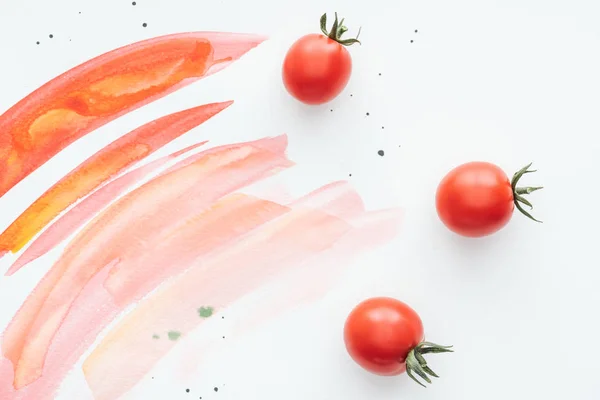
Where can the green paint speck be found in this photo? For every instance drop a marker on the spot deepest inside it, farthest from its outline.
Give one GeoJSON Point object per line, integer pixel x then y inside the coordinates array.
{"type": "Point", "coordinates": [174, 335]}
{"type": "Point", "coordinates": [155, 337]}
{"type": "Point", "coordinates": [205, 312]}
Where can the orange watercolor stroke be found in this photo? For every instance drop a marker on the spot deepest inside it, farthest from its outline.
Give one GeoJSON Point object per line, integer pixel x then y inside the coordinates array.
{"type": "Point", "coordinates": [102, 166]}
{"type": "Point", "coordinates": [104, 88]}
{"type": "Point", "coordinates": [135, 224]}
{"type": "Point", "coordinates": [83, 211]}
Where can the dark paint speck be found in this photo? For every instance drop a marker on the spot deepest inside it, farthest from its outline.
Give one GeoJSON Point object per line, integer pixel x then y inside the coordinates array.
{"type": "Point", "coordinates": [368, 114]}
{"type": "Point", "coordinates": [51, 36]}
{"type": "Point", "coordinates": [186, 390]}
{"type": "Point", "coordinates": [412, 41]}
{"type": "Point", "coordinates": [144, 24]}
{"type": "Point", "coordinates": [134, 3]}
{"type": "Point", "coordinates": [216, 389]}
{"type": "Point", "coordinates": [381, 153]}
{"type": "Point", "coordinates": [383, 127]}
{"type": "Point", "coordinates": [37, 42]}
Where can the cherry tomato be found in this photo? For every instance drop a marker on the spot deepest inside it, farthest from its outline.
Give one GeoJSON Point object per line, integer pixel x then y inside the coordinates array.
{"type": "Point", "coordinates": [385, 336]}
{"type": "Point", "coordinates": [477, 199]}
{"type": "Point", "coordinates": [317, 67]}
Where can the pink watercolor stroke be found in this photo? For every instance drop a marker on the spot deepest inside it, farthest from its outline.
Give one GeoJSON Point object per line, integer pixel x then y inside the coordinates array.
{"type": "Point", "coordinates": [83, 211]}
{"type": "Point", "coordinates": [135, 224]}
{"type": "Point", "coordinates": [189, 234]}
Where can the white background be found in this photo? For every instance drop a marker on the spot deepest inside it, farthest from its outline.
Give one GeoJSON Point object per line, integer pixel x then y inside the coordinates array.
{"type": "Point", "coordinates": [508, 81]}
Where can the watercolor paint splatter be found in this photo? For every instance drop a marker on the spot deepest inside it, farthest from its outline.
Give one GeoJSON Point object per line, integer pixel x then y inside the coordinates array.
{"type": "Point", "coordinates": [145, 249]}
{"type": "Point", "coordinates": [205, 312]}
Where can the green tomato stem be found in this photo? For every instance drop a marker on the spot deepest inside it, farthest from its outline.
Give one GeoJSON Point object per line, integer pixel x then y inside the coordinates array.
{"type": "Point", "coordinates": [337, 31]}
{"type": "Point", "coordinates": [518, 192]}
{"type": "Point", "coordinates": [417, 365]}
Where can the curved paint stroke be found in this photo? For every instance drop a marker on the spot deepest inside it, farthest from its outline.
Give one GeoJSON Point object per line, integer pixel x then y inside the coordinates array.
{"type": "Point", "coordinates": [104, 88]}
{"type": "Point", "coordinates": [226, 249]}
{"type": "Point", "coordinates": [136, 223]}
{"type": "Point", "coordinates": [221, 277]}
{"type": "Point", "coordinates": [102, 166]}
{"type": "Point", "coordinates": [83, 211]}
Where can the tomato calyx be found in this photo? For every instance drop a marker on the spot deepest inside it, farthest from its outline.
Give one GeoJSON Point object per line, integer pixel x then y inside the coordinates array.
{"type": "Point", "coordinates": [518, 192]}
{"type": "Point", "coordinates": [337, 31]}
{"type": "Point", "coordinates": [416, 363]}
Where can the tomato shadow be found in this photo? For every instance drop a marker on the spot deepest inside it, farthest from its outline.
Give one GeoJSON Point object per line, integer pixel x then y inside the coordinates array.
{"type": "Point", "coordinates": [475, 254]}
{"type": "Point", "coordinates": [306, 118]}
{"type": "Point", "coordinates": [302, 110]}
{"type": "Point", "coordinates": [380, 387]}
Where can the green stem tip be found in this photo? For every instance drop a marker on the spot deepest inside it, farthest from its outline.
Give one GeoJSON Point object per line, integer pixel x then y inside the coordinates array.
{"type": "Point", "coordinates": [417, 365]}
{"type": "Point", "coordinates": [337, 31]}
{"type": "Point", "coordinates": [519, 192]}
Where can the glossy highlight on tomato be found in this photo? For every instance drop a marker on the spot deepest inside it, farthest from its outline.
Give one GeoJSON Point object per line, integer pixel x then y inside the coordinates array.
{"type": "Point", "coordinates": [477, 199]}
{"type": "Point", "coordinates": [385, 336]}
{"type": "Point", "coordinates": [317, 67]}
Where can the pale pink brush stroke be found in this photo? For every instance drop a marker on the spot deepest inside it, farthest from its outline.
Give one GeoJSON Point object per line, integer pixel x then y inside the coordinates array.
{"type": "Point", "coordinates": [130, 226]}
{"type": "Point", "coordinates": [95, 306]}
{"type": "Point", "coordinates": [336, 198]}
{"type": "Point", "coordinates": [89, 310]}
{"type": "Point", "coordinates": [297, 236]}
{"type": "Point", "coordinates": [311, 281]}
{"type": "Point", "coordinates": [83, 211]}
{"type": "Point", "coordinates": [219, 279]}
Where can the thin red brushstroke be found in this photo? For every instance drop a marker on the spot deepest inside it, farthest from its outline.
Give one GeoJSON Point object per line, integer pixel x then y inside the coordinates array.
{"type": "Point", "coordinates": [135, 223]}
{"type": "Point", "coordinates": [83, 211]}
{"type": "Point", "coordinates": [104, 88]}
{"type": "Point", "coordinates": [101, 167]}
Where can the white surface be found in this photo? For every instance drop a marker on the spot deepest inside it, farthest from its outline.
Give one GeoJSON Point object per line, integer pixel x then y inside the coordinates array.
{"type": "Point", "coordinates": [508, 82]}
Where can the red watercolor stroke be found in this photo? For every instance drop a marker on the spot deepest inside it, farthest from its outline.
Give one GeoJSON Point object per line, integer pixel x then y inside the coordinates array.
{"type": "Point", "coordinates": [104, 88]}
{"type": "Point", "coordinates": [102, 166]}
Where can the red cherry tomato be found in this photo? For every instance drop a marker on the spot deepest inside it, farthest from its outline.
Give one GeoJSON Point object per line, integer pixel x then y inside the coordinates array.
{"type": "Point", "coordinates": [317, 67]}
{"type": "Point", "coordinates": [477, 199]}
{"type": "Point", "coordinates": [385, 336]}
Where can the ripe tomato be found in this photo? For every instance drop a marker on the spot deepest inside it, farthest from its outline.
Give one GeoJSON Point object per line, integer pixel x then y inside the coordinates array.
{"type": "Point", "coordinates": [317, 67]}
{"type": "Point", "coordinates": [384, 336]}
{"type": "Point", "coordinates": [477, 199]}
